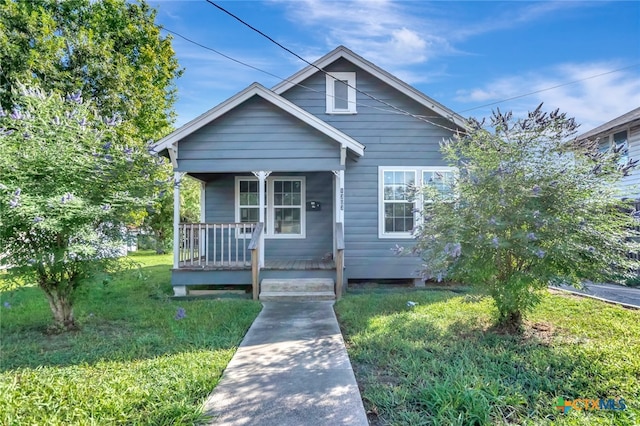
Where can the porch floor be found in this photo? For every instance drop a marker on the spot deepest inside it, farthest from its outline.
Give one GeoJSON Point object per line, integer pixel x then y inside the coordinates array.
{"type": "Point", "coordinates": [269, 264]}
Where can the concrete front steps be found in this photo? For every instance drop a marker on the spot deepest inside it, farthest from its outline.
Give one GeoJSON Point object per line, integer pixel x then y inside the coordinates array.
{"type": "Point", "coordinates": [297, 289]}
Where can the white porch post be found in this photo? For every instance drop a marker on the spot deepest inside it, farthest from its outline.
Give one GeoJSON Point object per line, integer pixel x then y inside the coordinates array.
{"type": "Point", "coordinates": [338, 237]}
{"type": "Point", "coordinates": [177, 178]}
{"type": "Point", "coordinates": [339, 202]}
{"type": "Point", "coordinates": [203, 217]}
{"type": "Point", "coordinates": [262, 179]}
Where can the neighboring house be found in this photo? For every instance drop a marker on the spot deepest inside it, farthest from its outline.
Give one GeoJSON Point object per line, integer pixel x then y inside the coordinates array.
{"type": "Point", "coordinates": [288, 188]}
{"type": "Point", "coordinates": [624, 132]}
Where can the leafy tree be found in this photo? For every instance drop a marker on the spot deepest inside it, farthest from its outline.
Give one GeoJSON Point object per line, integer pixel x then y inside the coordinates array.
{"type": "Point", "coordinates": [159, 219]}
{"type": "Point", "coordinates": [531, 207]}
{"type": "Point", "coordinates": [110, 50]}
{"type": "Point", "coordinates": [69, 184]}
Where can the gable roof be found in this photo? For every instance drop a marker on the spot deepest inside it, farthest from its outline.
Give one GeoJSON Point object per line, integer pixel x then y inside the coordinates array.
{"type": "Point", "coordinates": [256, 89]}
{"type": "Point", "coordinates": [391, 80]}
{"type": "Point", "coordinates": [622, 121]}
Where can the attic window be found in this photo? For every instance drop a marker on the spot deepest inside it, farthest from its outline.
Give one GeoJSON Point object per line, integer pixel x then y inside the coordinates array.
{"type": "Point", "coordinates": [341, 93]}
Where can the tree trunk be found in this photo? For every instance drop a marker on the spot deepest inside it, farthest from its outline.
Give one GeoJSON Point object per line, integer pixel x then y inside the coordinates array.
{"type": "Point", "coordinates": [160, 242]}
{"type": "Point", "coordinates": [510, 322]}
{"type": "Point", "coordinates": [62, 309]}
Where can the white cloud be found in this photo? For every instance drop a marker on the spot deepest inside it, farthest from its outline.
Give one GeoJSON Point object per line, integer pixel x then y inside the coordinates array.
{"type": "Point", "coordinates": [594, 96]}
{"type": "Point", "coordinates": [512, 15]}
{"type": "Point", "coordinates": [383, 31]}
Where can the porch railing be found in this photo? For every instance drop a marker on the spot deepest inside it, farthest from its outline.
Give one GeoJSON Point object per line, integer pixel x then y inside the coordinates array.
{"type": "Point", "coordinates": [215, 244]}
{"type": "Point", "coordinates": [339, 259]}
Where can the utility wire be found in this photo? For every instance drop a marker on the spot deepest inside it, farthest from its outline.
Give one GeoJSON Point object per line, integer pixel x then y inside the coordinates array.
{"type": "Point", "coordinates": [550, 88]}
{"type": "Point", "coordinates": [418, 117]}
{"type": "Point", "coordinates": [396, 109]}
{"type": "Point", "coordinates": [281, 79]}
{"type": "Point", "coordinates": [228, 57]}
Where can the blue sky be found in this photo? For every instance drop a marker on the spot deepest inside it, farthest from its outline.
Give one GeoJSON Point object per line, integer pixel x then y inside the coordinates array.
{"type": "Point", "coordinates": [463, 54]}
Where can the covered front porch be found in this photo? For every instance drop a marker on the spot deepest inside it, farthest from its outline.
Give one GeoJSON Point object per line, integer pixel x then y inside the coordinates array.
{"type": "Point", "coordinates": [286, 225]}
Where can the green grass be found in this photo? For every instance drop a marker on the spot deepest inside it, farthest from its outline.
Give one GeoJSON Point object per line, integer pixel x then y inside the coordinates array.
{"type": "Point", "coordinates": [132, 362]}
{"type": "Point", "coordinates": [439, 363]}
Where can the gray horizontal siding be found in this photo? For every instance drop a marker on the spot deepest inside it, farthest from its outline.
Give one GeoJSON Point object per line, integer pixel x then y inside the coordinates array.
{"type": "Point", "coordinates": [257, 136]}
{"type": "Point", "coordinates": [183, 277]}
{"type": "Point", "coordinates": [220, 208]}
{"type": "Point", "coordinates": [630, 185]}
{"type": "Point", "coordinates": [236, 165]}
{"type": "Point", "coordinates": [391, 139]}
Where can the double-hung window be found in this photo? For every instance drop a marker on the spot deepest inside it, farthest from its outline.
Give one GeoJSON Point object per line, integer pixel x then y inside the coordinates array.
{"type": "Point", "coordinates": [249, 200]}
{"type": "Point", "coordinates": [284, 205]}
{"type": "Point", "coordinates": [400, 203]}
{"type": "Point", "coordinates": [287, 207]}
{"type": "Point", "coordinates": [397, 205]}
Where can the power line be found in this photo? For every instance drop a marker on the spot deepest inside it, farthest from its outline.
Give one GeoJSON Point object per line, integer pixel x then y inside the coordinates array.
{"type": "Point", "coordinates": [550, 88]}
{"type": "Point", "coordinates": [189, 40]}
{"type": "Point", "coordinates": [222, 54]}
{"type": "Point", "coordinates": [325, 72]}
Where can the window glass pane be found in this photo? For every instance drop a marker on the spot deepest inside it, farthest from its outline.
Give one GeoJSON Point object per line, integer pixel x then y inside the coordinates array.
{"type": "Point", "coordinates": [277, 186]}
{"type": "Point", "coordinates": [620, 137]}
{"type": "Point", "coordinates": [249, 214]}
{"type": "Point", "coordinates": [604, 145]}
{"type": "Point", "coordinates": [249, 195]}
{"type": "Point", "coordinates": [277, 199]}
{"type": "Point", "coordinates": [340, 92]}
{"type": "Point", "coordinates": [398, 217]}
{"type": "Point", "coordinates": [443, 181]}
{"type": "Point", "coordinates": [287, 221]}
{"type": "Point", "coordinates": [397, 184]}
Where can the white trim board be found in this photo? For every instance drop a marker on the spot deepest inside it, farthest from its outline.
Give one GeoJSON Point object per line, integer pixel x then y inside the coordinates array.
{"type": "Point", "coordinates": [391, 80]}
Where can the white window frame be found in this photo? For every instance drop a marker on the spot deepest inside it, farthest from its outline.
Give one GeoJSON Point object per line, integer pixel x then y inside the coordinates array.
{"type": "Point", "coordinates": [417, 202]}
{"type": "Point", "coordinates": [350, 78]}
{"type": "Point", "coordinates": [270, 208]}
{"type": "Point", "coordinates": [237, 205]}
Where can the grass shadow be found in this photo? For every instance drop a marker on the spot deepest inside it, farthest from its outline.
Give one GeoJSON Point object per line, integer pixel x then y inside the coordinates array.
{"type": "Point", "coordinates": [132, 317]}
{"type": "Point", "coordinates": [440, 363]}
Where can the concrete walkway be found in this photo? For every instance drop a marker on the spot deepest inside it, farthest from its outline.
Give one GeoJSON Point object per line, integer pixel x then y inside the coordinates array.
{"type": "Point", "coordinates": [626, 296]}
{"type": "Point", "coordinates": [291, 368]}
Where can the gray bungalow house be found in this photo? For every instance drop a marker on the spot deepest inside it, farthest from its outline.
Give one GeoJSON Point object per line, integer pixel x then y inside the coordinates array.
{"type": "Point", "coordinates": [307, 181]}
{"type": "Point", "coordinates": [624, 132]}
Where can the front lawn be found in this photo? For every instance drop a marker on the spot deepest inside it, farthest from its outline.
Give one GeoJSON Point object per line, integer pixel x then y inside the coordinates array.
{"type": "Point", "coordinates": [134, 361]}
{"type": "Point", "coordinates": [438, 363]}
